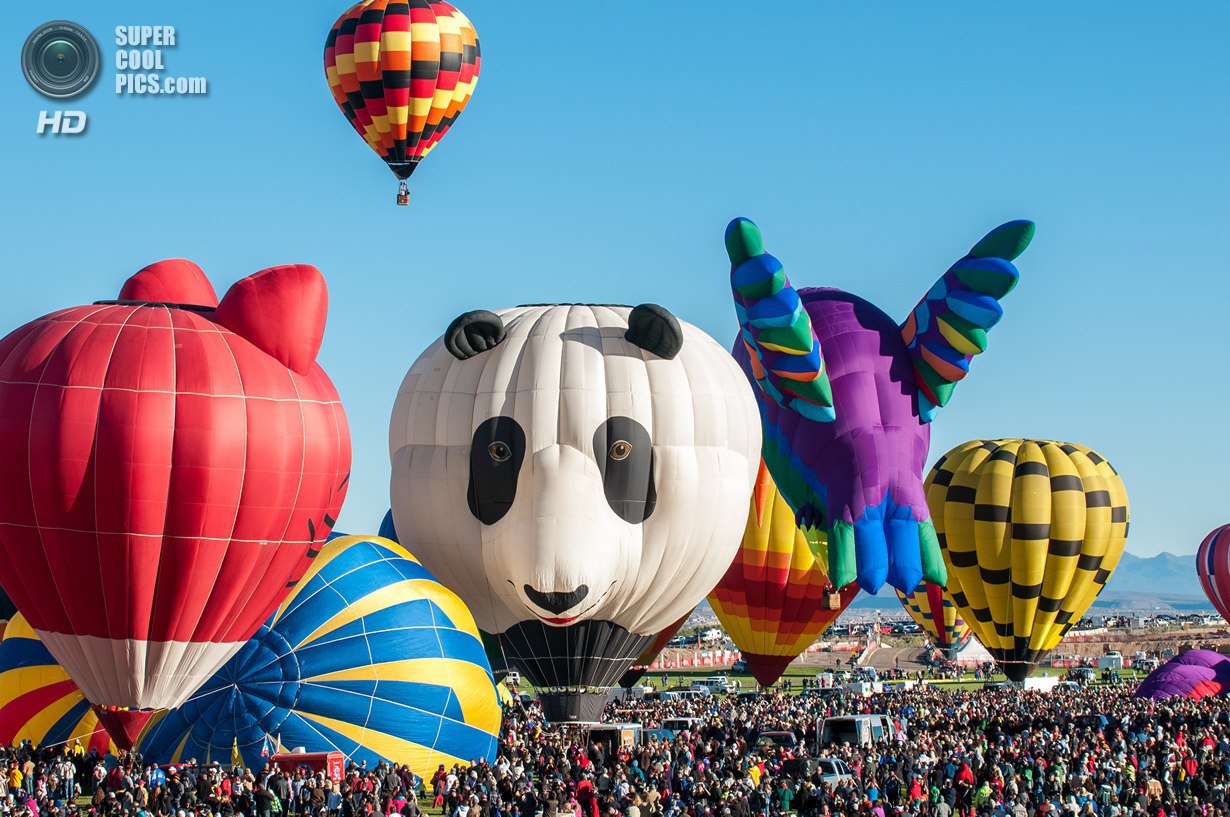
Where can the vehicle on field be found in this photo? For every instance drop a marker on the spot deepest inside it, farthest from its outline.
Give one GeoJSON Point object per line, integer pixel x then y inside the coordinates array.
{"type": "Point", "coordinates": [856, 730]}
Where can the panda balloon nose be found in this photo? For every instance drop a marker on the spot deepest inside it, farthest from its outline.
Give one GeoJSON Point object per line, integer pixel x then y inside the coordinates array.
{"type": "Point", "coordinates": [557, 602]}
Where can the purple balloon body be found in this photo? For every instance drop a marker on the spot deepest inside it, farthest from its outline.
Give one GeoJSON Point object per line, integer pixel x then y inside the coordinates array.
{"type": "Point", "coordinates": [867, 464]}
{"type": "Point", "coordinates": [877, 445]}
{"type": "Point", "coordinates": [1182, 676]}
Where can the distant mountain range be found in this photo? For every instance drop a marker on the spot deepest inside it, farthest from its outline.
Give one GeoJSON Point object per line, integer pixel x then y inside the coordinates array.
{"type": "Point", "coordinates": [1164, 582]}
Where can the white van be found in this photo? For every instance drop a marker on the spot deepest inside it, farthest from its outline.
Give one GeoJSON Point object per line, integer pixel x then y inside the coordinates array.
{"type": "Point", "coordinates": [716, 684]}
{"type": "Point", "coordinates": [856, 730]}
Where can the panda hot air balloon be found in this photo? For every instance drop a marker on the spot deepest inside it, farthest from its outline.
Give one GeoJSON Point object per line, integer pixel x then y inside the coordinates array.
{"type": "Point", "coordinates": [579, 475]}
{"type": "Point", "coordinates": [169, 465]}
{"type": "Point", "coordinates": [1031, 530]}
{"type": "Point", "coordinates": [1213, 569]}
{"type": "Point", "coordinates": [776, 599]}
{"type": "Point", "coordinates": [932, 609]}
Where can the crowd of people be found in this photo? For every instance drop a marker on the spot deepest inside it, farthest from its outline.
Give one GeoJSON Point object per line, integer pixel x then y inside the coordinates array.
{"type": "Point", "coordinates": [954, 753]}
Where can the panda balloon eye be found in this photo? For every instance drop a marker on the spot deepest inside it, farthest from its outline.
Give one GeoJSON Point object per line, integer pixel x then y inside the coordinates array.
{"type": "Point", "coordinates": [620, 450]}
{"type": "Point", "coordinates": [499, 452]}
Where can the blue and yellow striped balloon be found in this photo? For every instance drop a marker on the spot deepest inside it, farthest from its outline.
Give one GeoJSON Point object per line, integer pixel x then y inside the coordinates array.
{"type": "Point", "coordinates": [38, 701]}
{"type": "Point", "coordinates": [370, 656]}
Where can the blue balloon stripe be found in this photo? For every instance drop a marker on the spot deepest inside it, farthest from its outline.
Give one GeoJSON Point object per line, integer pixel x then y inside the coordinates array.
{"type": "Point", "coordinates": [17, 653]}
{"type": "Point", "coordinates": [68, 724]}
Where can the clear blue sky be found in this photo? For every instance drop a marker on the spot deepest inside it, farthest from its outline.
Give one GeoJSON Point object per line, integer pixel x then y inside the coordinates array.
{"type": "Point", "coordinates": [606, 148]}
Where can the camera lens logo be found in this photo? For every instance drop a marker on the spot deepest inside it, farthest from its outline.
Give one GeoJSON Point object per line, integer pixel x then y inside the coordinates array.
{"type": "Point", "coordinates": [60, 59]}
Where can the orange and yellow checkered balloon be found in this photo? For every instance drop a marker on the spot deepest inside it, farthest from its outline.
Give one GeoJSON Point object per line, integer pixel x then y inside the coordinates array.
{"type": "Point", "coordinates": [402, 71]}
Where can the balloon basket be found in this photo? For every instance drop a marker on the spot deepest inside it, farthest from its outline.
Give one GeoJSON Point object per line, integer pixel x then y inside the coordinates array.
{"type": "Point", "coordinates": [403, 195]}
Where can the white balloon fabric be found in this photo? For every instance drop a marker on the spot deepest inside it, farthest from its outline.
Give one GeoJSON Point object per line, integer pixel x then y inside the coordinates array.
{"type": "Point", "coordinates": [579, 475]}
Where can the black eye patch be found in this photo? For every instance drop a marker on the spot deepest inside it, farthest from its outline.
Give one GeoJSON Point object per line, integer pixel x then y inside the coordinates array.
{"type": "Point", "coordinates": [496, 453]}
{"type": "Point", "coordinates": [625, 457]}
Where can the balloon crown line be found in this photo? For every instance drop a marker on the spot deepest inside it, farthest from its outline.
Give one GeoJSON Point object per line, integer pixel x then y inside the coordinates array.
{"type": "Point", "coordinates": [163, 304]}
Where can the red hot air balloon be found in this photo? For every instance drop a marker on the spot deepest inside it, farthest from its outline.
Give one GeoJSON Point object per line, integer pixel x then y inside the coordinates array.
{"type": "Point", "coordinates": [169, 466]}
{"type": "Point", "coordinates": [1213, 569]}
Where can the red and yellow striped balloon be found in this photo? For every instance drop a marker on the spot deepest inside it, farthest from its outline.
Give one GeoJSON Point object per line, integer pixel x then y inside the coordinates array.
{"type": "Point", "coordinates": [772, 599]}
{"type": "Point", "coordinates": [402, 71]}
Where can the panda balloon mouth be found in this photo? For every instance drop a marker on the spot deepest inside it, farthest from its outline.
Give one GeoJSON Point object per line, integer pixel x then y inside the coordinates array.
{"type": "Point", "coordinates": [559, 602]}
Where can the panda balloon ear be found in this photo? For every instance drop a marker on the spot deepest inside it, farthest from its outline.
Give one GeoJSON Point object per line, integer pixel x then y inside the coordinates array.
{"type": "Point", "coordinates": [473, 333]}
{"type": "Point", "coordinates": [654, 329]}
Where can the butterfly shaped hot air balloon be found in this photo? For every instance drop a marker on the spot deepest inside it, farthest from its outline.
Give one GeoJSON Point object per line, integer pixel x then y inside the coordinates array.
{"type": "Point", "coordinates": [847, 396]}
{"type": "Point", "coordinates": [402, 71]}
{"type": "Point", "coordinates": [1031, 530]}
{"type": "Point", "coordinates": [38, 701]}
{"type": "Point", "coordinates": [932, 609]}
{"type": "Point", "coordinates": [776, 598]}
{"type": "Point", "coordinates": [369, 655]}
{"type": "Point", "coordinates": [169, 465]}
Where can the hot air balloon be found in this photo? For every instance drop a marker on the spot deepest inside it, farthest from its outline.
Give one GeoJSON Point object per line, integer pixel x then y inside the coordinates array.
{"type": "Point", "coordinates": [1031, 531]}
{"type": "Point", "coordinates": [402, 71]}
{"type": "Point", "coordinates": [776, 599]}
{"type": "Point", "coordinates": [38, 701]}
{"type": "Point", "coordinates": [932, 609]}
{"type": "Point", "coordinates": [578, 475]}
{"type": "Point", "coordinates": [369, 655]}
{"type": "Point", "coordinates": [1213, 568]}
{"type": "Point", "coordinates": [846, 395]}
{"type": "Point", "coordinates": [1193, 674]}
{"type": "Point", "coordinates": [641, 665]}
{"type": "Point", "coordinates": [169, 465]}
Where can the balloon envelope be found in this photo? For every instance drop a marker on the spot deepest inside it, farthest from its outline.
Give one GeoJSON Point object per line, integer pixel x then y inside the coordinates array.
{"type": "Point", "coordinates": [578, 474]}
{"type": "Point", "coordinates": [1031, 531]}
{"type": "Point", "coordinates": [169, 465]}
{"type": "Point", "coordinates": [1213, 569]}
{"type": "Point", "coordinates": [369, 656]}
{"type": "Point", "coordinates": [1193, 674]}
{"type": "Point", "coordinates": [932, 609]}
{"type": "Point", "coordinates": [772, 600]}
{"type": "Point", "coordinates": [38, 701]}
{"type": "Point", "coordinates": [847, 393]}
{"type": "Point", "coordinates": [401, 73]}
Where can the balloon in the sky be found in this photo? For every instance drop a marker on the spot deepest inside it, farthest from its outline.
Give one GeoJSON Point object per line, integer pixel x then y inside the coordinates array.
{"type": "Point", "coordinates": [932, 609]}
{"type": "Point", "coordinates": [1031, 531]}
{"type": "Point", "coordinates": [1213, 568]}
{"type": "Point", "coordinates": [38, 701]}
{"type": "Point", "coordinates": [578, 474]}
{"type": "Point", "coordinates": [776, 599]}
{"type": "Point", "coordinates": [641, 665]}
{"type": "Point", "coordinates": [169, 465]}
{"type": "Point", "coordinates": [846, 395]}
{"type": "Point", "coordinates": [402, 71]}
{"type": "Point", "coordinates": [369, 656]}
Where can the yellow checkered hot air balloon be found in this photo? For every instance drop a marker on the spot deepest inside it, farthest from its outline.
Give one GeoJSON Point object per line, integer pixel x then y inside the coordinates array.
{"type": "Point", "coordinates": [1030, 531]}
{"type": "Point", "coordinates": [776, 598]}
{"type": "Point", "coordinates": [402, 71]}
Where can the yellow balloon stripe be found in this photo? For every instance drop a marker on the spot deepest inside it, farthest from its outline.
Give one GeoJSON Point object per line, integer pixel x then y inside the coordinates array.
{"type": "Point", "coordinates": [392, 594]}
{"type": "Point", "coordinates": [458, 675]}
